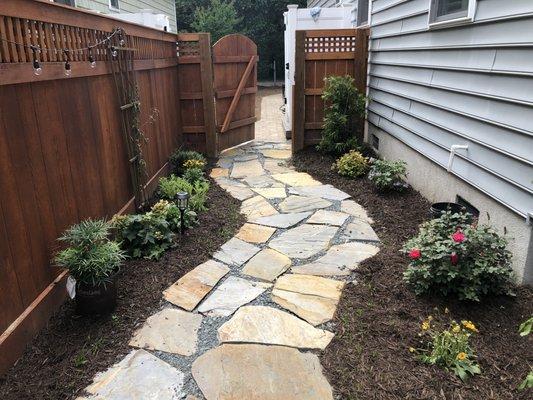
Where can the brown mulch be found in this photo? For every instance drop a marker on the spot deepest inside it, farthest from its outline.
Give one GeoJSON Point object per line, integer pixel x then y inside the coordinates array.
{"type": "Point", "coordinates": [64, 357]}
{"type": "Point", "coordinates": [379, 318]}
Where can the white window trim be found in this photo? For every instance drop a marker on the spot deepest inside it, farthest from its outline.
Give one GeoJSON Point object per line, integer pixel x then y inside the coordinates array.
{"type": "Point", "coordinates": [367, 23]}
{"type": "Point", "coordinates": [112, 8]}
{"type": "Point", "coordinates": [471, 12]}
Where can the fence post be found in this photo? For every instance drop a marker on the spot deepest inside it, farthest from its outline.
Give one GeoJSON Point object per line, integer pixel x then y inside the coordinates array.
{"type": "Point", "coordinates": [208, 96]}
{"type": "Point", "coordinates": [298, 99]}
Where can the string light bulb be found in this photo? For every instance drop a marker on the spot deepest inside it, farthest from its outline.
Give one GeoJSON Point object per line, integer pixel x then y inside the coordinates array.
{"type": "Point", "coordinates": [114, 52]}
{"type": "Point", "coordinates": [92, 61]}
{"type": "Point", "coordinates": [37, 70]}
{"type": "Point", "coordinates": [121, 40]}
{"type": "Point", "coordinates": [68, 70]}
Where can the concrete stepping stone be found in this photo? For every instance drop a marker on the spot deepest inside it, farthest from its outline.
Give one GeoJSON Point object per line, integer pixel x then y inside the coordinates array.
{"type": "Point", "coordinates": [219, 173]}
{"type": "Point", "coordinates": [267, 325]}
{"type": "Point", "coordinates": [192, 287]}
{"type": "Point", "coordinates": [312, 298]}
{"type": "Point", "coordinates": [359, 230]}
{"type": "Point", "coordinates": [339, 260]}
{"type": "Point", "coordinates": [283, 221]}
{"type": "Point", "coordinates": [267, 265]}
{"type": "Point", "coordinates": [327, 217]}
{"type": "Point", "coordinates": [246, 169]}
{"type": "Point", "coordinates": [256, 372]}
{"type": "Point", "coordinates": [296, 179]}
{"type": "Point", "coordinates": [253, 233]}
{"type": "Point", "coordinates": [139, 376]}
{"type": "Point", "coordinates": [356, 210]}
{"type": "Point", "coordinates": [233, 293]}
{"type": "Point", "coordinates": [236, 252]}
{"type": "Point", "coordinates": [277, 167]}
{"type": "Point", "coordinates": [263, 181]}
{"type": "Point", "coordinates": [324, 191]}
{"type": "Point", "coordinates": [272, 193]}
{"type": "Point", "coordinates": [170, 330]}
{"type": "Point", "coordinates": [257, 207]}
{"type": "Point", "coordinates": [304, 241]}
{"type": "Point", "coordinates": [277, 153]}
{"type": "Point", "coordinates": [295, 204]}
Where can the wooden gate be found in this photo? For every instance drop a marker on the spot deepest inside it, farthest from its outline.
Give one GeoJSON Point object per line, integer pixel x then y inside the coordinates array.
{"type": "Point", "coordinates": [318, 54]}
{"type": "Point", "coordinates": [235, 85]}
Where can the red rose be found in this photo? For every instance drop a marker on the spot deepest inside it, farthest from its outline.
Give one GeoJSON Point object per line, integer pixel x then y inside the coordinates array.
{"type": "Point", "coordinates": [454, 258]}
{"type": "Point", "coordinates": [415, 254]}
{"type": "Point", "coordinates": [458, 237]}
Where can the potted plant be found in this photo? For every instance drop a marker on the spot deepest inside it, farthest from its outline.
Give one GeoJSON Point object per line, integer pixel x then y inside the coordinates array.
{"type": "Point", "coordinates": [93, 260]}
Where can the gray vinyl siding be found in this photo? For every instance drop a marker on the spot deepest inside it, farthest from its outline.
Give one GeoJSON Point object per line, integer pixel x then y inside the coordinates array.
{"type": "Point", "coordinates": [133, 6]}
{"type": "Point", "coordinates": [470, 84]}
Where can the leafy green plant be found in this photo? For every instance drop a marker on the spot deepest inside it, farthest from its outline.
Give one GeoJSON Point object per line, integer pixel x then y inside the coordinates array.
{"type": "Point", "coordinates": [171, 186]}
{"type": "Point", "coordinates": [219, 18]}
{"type": "Point", "coordinates": [388, 175]}
{"type": "Point", "coordinates": [193, 175]}
{"type": "Point", "coordinates": [144, 235]}
{"type": "Point", "coordinates": [180, 157]}
{"type": "Point", "coordinates": [345, 106]}
{"type": "Point", "coordinates": [449, 348]}
{"type": "Point", "coordinates": [91, 257]}
{"type": "Point", "coordinates": [171, 213]}
{"type": "Point", "coordinates": [451, 257]}
{"type": "Point", "coordinates": [524, 330]}
{"type": "Point", "coordinates": [351, 165]}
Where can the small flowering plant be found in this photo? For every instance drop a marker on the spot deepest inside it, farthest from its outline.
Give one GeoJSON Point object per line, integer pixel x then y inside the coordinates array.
{"type": "Point", "coordinates": [448, 347]}
{"type": "Point", "coordinates": [451, 257]}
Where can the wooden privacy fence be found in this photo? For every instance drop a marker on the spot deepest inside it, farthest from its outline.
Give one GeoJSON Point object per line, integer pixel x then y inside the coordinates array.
{"type": "Point", "coordinates": [318, 54]}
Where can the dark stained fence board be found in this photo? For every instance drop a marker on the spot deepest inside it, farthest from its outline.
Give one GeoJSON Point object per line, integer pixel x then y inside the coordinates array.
{"type": "Point", "coordinates": [319, 54]}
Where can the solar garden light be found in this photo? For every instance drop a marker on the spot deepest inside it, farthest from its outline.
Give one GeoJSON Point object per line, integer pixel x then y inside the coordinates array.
{"type": "Point", "coordinates": [182, 199]}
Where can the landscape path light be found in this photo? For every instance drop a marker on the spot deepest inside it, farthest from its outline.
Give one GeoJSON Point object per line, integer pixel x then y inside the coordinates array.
{"type": "Point", "coordinates": [182, 199]}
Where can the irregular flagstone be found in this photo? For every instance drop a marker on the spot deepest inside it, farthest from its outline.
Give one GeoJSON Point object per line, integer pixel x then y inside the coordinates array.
{"type": "Point", "coordinates": [170, 330]}
{"type": "Point", "coordinates": [219, 173]}
{"type": "Point", "coordinates": [246, 169]}
{"type": "Point", "coordinates": [327, 217]}
{"type": "Point", "coordinates": [232, 152]}
{"type": "Point", "coordinates": [279, 154]}
{"type": "Point", "coordinates": [253, 233]}
{"type": "Point", "coordinates": [272, 193]}
{"type": "Point", "coordinates": [304, 241]}
{"type": "Point", "coordinates": [192, 287]}
{"type": "Point", "coordinates": [235, 188]}
{"type": "Point", "coordinates": [230, 295]}
{"type": "Point", "coordinates": [352, 208]}
{"type": "Point", "coordinates": [256, 372]}
{"type": "Point", "coordinates": [282, 220]}
{"type": "Point", "coordinates": [267, 265]}
{"type": "Point", "coordinates": [236, 252]}
{"type": "Point", "coordinates": [277, 167]}
{"type": "Point", "coordinates": [294, 204]}
{"type": "Point", "coordinates": [267, 325]}
{"type": "Point", "coordinates": [296, 179]}
{"type": "Point", "coordinates": [246, 157]}
{"type": "Point", "coordinates": [257, 207]}
{"type": "Point", "coordinates": [325, 191]}
{"type": "Point", "coordinates": [263, 181]}
{"type": "Point", "coordinates": [139, 376]}
{"type": "Point", "coordinates": [312, 298]}
{"type": "Point", "coordinates": [339, 260]}
{"type": "Point", "coordinates": [359, 230]}
{"type": "Point", "coordinates": [225, 162]}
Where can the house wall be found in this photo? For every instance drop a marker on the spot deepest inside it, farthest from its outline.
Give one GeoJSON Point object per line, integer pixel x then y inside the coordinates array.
{"type": "Point", "coordinates": [132, 6]}
{"type": "Point", "coordinates": [469, 84]}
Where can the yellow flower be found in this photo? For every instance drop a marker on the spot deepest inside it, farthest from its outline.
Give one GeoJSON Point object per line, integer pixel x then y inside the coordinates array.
{"type": "Point", "coordinates": [425, 325]}
{"type": "Point", "coordinates": [456, 328]}
{"type": "Point", "coordinates": [470, 326]}
{"type": "Point", "coordinates": [461, 356]}
{"type": "Point", "coordinates": [430, 318]}
{"type": "Point", "coordinates": [412, 349]}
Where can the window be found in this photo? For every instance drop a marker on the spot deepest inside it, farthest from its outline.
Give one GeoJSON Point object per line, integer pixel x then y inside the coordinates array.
{"type": "Point", "coordinates": [362, 12]}
{"type": "Point", "coordinates": [113, 5]}
{"type": "Point", "coordinates": [450, 12]}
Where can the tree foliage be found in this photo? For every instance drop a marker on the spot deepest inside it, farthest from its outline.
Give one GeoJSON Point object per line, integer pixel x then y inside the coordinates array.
{"type": "Point", "coordinates": [218, 18]}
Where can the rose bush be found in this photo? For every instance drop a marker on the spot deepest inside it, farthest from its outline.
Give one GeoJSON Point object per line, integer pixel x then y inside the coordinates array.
{"type": "Point", "coordinates": [451, 257]}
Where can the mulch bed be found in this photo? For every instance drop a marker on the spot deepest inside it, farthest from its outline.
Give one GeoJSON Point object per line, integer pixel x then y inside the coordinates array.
{"type": "Point", "coordinates": [379, 318]}
{"type": "Point", "coordinates": [62, 360]}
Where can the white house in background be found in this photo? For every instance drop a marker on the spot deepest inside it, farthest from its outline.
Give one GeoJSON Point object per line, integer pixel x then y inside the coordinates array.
{"type": "Point", "coordinates": [451, 92]}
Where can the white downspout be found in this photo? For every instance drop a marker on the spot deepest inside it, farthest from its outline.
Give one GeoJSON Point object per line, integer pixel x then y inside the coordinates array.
{"type": "Point", "coordinates": [453, 149]}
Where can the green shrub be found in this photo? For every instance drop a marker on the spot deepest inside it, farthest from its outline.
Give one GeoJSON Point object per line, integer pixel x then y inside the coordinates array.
{"type": "Point", "coordinates": [193, 175]}
{"type": "Point", "coordinates": [449, 348]}
{"type": "Point", "coordinates": [525, 329]}
{"type": "Point", "coordinates": [144, 235]}
{"type": "Point", "coordinates": [179, 157]}
{"type": "Point", "coordinates": [351, 165]}
{"type": "Point", "coordinates": [388, 175]}
{"type": "Point", "coordinates": [345, 106]}
{"type": "Point", "coordinates": [91, 257]}
{"type": "Point", "coordinates": [171, 186]}
{"type": "Point", "coordinates": [451, 257]}
{"type": "Point", "coordinates": [171, 213]}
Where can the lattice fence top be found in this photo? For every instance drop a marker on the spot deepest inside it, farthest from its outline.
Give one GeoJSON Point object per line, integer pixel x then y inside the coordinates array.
{"type": "Point", "coordinates": [188, 48]}
{"type": "Point", "coordinates": [330, 44]}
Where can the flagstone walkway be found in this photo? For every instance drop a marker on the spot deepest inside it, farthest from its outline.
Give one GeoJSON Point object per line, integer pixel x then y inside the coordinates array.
{"type": "Point", "coordinates": [249, 323]}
